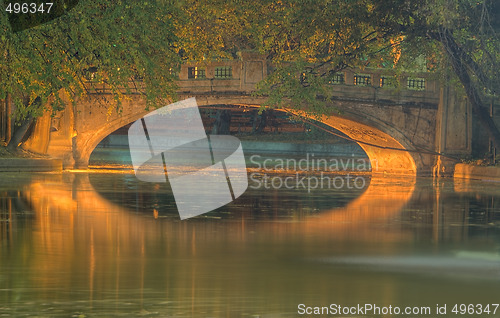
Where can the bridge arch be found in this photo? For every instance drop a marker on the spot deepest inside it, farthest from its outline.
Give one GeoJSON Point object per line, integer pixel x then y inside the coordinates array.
{"type": "Point", "coordinates": [386, 147]}
{"type": "Point", "coordinates": [389, 151]}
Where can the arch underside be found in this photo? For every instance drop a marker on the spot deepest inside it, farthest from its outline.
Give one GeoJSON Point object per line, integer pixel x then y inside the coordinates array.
{"type": "Point", "coordinates": [89, 141]}
{"type": "Point", "coordinates": [387, 154]}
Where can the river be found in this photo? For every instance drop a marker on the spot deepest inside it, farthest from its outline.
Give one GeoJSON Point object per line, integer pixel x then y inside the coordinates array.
{"type": "Point", "coordinates": [99, 243]}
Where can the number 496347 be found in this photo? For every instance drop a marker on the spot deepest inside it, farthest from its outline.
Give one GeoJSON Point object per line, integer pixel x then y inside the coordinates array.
{"type": "Point", "coordinates": [471, 309]}
{"type": "Point", "coordinates": [18, 8]}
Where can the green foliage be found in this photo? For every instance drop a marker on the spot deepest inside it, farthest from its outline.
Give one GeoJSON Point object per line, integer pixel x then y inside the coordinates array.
{"type": "Point", "coordinates": [209, 30]}
{"type": "Point", "coordinates": [292, 85]}
{"type": "Point", "coordinates": [314, 39]}
{"type": "Point", "coordinates": [110, 42]}
{"type": "Point", "coordinates": [308, 41]}
{"type": "Point", "coordinates": [25, 15]}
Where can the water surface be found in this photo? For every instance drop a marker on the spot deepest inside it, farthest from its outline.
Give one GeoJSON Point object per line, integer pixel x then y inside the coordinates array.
{"type": "Point", "coordinates": [102, 244]}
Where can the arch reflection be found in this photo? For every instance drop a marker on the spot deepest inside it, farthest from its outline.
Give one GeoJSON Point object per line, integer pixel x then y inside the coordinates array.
{"type": "Point", "coordinates": [81, 246]}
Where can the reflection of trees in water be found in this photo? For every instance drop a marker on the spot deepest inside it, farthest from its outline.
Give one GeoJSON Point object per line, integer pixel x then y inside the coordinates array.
{"type": "Point", "coordinates": [80, 241]}
{"type": "Point", "coordinates": [14, 212]}
{"type": "Point", "coordinates": [453, 215]}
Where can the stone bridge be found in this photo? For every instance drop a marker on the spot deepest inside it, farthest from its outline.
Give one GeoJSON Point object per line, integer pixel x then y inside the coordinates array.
{"type": "Point", "coordinates": [402, 130]}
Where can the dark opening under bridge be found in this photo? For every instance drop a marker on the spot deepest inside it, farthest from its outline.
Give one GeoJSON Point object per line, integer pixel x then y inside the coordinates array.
{"type": "Point", "coordinates": [401, 130]}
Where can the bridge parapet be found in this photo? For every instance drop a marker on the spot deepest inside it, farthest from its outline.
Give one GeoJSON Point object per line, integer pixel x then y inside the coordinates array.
{"type": "Point", "coordinates": [378, 86]}
{"type": "Point", "coordinates": [242, 75]}
{"type": "Point", "coordinates": [374, 85]}
{"type": "Point", "coordinates": [239, 75]}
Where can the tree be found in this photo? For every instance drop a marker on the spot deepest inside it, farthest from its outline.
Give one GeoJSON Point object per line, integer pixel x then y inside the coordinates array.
{"type": "Point", "coordinates": [472, 46]}
{"type": "Point", "coordinates": [310, 40]}
{"type": "Point", "coordinates": [99, 42]}
{"type": "Point", "coordinates": [467, 34]}
{"type": "Point", "coordinates": [222, 122]}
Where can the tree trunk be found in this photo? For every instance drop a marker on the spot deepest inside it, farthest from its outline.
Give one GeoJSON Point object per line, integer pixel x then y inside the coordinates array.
{"type": "Point", "coordinates": [19, 134]}
{"type": "Point", "coordinates": [262, 123]}
{"type": "Point", "coordinates": [255, 117]}
{"type": "Point", "coordinates": [459, 58]}
{"type": "Point", "coordinates": [222, 122]}
{"type": "Point", "coordinates": [8, 118]}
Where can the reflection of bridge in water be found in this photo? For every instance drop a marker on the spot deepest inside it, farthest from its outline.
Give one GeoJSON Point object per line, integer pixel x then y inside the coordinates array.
{"type": "Point", "coordinates": [400, 129]}
{"type": "Point", "coordinates": [73, 238]}
{"type": "Point", "coordinates": [71, 222]}
{"type": "Point", "coordinates": [61, 199]}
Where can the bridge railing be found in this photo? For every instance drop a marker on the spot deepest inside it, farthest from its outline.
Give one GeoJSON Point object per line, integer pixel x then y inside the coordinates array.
{"type": "Point", "coordinates": [240, 76]}
{"type": "Point", "coordinates": [380, 86]}
{"type": "Point", "coordinates": [374, 85]}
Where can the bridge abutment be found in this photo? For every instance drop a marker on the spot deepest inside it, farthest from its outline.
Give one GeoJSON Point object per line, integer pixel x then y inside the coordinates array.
{"type": "Point", "coordinates": [453, 131]}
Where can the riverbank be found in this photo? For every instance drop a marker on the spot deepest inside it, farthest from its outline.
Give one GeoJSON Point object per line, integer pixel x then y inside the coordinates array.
{"type": "Point", "coordinates": [23, 161]}
{"type": "Point", "coordinates": [30, 165]}
{"type": "Point", "coordinates": [483, 173]}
